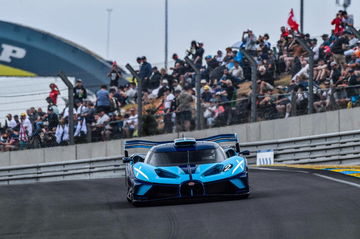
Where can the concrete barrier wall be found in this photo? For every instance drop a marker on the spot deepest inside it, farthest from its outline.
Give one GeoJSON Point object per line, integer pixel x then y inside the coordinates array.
{"type": "Point", "coordinates": [315, 124]}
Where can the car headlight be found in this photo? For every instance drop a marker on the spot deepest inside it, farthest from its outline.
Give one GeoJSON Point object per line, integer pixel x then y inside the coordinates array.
{"type": "Point", "coordinates": [214, 170]}
{"type": "Point", "coordinates": [165, 174]}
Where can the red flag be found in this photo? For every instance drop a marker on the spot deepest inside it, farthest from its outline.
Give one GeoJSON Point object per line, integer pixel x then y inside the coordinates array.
{"type": "Point", "coordinates": [291, 22]}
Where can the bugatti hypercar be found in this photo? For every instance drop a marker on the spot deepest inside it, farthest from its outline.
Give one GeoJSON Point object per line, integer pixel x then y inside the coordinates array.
{"type": "Point", "coordinates": [185, 168]}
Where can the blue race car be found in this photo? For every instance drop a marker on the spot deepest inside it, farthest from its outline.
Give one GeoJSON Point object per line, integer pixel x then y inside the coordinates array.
{"type": "Point", "coordinates": [185, 168]}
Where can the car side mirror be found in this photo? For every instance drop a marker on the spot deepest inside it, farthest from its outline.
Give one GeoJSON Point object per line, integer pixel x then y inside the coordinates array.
{"type": "Point", "coordinates": [127, 160]}
{"type": "Point", "coordinates": [245, 152]}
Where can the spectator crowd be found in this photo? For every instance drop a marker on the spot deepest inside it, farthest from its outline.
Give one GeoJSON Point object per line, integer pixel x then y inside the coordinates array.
{"type": "Point", "coordinates": [169, 97]}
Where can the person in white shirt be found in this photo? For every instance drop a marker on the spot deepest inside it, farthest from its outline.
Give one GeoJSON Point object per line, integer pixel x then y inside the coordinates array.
{"type": "Point", "coordinates": [131, 123]}
{"type": "Point", "coordinates": [11, 123]}
{"type": "Point", "coordinates": [303, 73]}
{"type": "Point", "coordinates": [26, 123]}
{"type": "Point", "coordinates": [80, 108]}
{"type": "Point", "coordinates": [169, 97]}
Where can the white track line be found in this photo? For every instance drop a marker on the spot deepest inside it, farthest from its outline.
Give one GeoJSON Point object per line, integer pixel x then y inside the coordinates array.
{"type": "Point", "coordinates": [280, 170]}
{"type": "Point", "coordinates": [338, 180]}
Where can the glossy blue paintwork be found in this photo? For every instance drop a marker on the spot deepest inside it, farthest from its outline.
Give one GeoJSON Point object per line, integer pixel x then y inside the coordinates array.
{"type": "Point", "coordinates": [149, 175]}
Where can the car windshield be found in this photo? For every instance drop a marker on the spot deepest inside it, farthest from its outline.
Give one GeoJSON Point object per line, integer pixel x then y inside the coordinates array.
{"type": "Point", "coordinates": [202, 156]}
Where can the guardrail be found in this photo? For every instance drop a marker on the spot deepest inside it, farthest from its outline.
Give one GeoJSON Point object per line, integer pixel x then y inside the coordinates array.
{"type": "Point", "coordinates": [333, 148]}
{"type": "Point", "coordinates": [68, 170]}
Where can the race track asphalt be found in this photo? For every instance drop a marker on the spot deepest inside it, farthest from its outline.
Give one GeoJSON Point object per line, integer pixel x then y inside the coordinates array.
{"type": "Point", "coordinates": [283, 204]}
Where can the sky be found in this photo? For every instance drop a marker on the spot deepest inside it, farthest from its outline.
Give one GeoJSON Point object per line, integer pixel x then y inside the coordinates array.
{"type": "Point", "coordinates": [137, 26]}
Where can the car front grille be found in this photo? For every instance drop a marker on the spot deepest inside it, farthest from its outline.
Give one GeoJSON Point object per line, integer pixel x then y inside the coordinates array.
{"type": "Point", "coordinates": [191, 189]}
{"type": "Point", "coordinates": [157, 192]}
{"type": "Point", "coordinates": [222, 187]}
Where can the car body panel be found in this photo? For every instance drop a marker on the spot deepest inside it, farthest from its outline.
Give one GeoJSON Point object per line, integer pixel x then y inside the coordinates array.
{"type": "Point", "coordinates": [147, 182]}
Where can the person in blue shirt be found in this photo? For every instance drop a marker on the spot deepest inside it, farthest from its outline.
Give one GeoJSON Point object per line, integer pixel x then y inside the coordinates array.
{"type": "Point", "coordinates": [103, 100]}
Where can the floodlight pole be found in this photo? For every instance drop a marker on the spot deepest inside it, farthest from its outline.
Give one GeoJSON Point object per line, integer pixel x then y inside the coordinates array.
{"type": "Point", "coordinates": [109, 10]}
{"type": "Point", "coordinates": [198, 97]}
{"type": "Point", "coordinates": [70, 105]}
{"type": "Point", "coordinates": [139, 97]}
{"type": "Point", "coordinates": [166, 34]}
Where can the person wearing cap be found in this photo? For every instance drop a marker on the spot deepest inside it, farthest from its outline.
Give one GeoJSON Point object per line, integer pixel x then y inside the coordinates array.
{"type": "Point", "coordinates": [211, 63]}
{"type": "Point", "coordinates": [203, 83]}
{"type": "Point", "coordinates": [339, 47]}
{"type": "Point", "coordinates": [176, 59]}
{"type": "Point", "coordinates": [326, 40]}
{"type": "Point", "coordinates": [206, 95]}
{"type": "Point", "coordinates": [52, 118]}
{"type": "Point", "coordinates": [26, 124]}
{"type": "Point", "coordinates": [80, 92]}
{"type": "Point", "coordinates": [10, 122]}
{"type": "Point", "coordinates": [164, 87]}
{"type": "Point", "coordinates": [249, 40]}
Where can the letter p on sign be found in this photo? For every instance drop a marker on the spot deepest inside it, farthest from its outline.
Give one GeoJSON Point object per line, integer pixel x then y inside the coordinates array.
{"type": "Point", "coordinates": [9, 52]}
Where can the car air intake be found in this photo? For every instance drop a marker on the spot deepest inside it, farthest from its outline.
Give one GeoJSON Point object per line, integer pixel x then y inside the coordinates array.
{"type": "Point", "coordinates": [191, 189]}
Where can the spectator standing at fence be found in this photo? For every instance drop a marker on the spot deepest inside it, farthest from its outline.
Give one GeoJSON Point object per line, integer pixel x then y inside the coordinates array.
{"type": "Point", "coordinates": [249, 41]}
{"type": "Point", "coordinates": [80, 92]}
{"type": "Point", "coordinates": [145, 73]}
{"type": "Point", "coordinates": [54, 93]}
{"type": "Point", "coordinates": [103, 100]}
{"type": "Point", "coordinates": [192, 50]}
{"type": "Point", "coordinates": [80, 109]}
{"type": "Point", "coordinates": [52, 119]}
{"type": "Point", "coordinates": [199, 53]}
{"type": "Point", "coordinates": [114, 75]}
